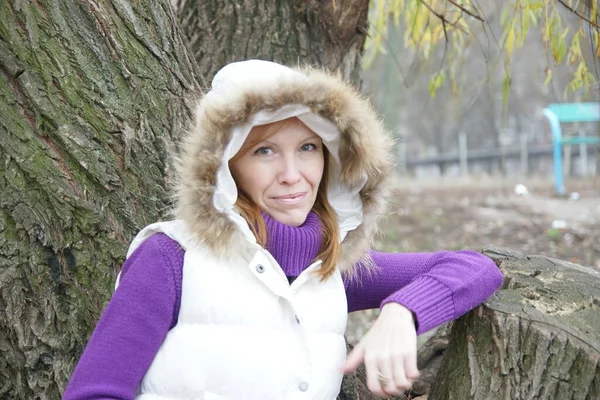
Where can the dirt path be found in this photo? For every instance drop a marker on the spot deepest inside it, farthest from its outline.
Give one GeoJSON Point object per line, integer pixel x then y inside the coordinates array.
{"type": "Point", "coordinates": [479, 215]}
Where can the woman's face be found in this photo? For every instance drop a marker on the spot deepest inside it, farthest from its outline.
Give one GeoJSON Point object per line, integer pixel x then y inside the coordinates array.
{"type": "Point", "coordinates": [281, 172]}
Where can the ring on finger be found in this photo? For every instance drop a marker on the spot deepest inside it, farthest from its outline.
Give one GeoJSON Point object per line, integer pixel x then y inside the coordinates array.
{"type": "Point", "coordinates": [384, 380]}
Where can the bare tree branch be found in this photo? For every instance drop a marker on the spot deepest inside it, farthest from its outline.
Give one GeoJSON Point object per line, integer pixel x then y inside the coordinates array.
{"type": "Point", "coordinates": [441, 17]}
{"type": "Point", "coordinates": [583, 17]}
{"type": "Point", "coordinates": [463, 9]}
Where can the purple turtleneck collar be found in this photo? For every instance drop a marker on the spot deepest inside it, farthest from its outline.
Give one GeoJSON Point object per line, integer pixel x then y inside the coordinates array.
{"type": "Point", "coordinates": [294, 247]}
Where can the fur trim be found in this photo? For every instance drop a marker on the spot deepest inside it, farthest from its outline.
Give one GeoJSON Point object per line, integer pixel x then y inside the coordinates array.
{"type": "Point", "coordinates": [365, 148]}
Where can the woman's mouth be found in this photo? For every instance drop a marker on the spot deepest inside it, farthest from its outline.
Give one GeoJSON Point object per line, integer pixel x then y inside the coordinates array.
{"type": "Point", "coordinates": [291, 198]}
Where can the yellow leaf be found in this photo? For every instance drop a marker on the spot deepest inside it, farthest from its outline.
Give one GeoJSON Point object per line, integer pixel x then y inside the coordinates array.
{"type": "Point", "coordinates": [596, 35]}
{"type": "Point", "coordinates": [509, 44]}
{"type": "Point", "coordinates": [505, 89]}
{"type": "Point", "coordinates": [533, 17]}
{"type": "Point", "coordinates": [436, 82]}
{"type": "Point", "coordinates": [548, 76]}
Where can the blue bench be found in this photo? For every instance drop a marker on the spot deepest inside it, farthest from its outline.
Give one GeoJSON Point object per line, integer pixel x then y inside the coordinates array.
{"type": "Point", "coordinates": [569, 112]}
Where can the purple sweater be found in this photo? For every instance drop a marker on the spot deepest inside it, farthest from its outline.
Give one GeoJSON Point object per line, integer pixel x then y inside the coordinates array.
{"type": "Point", "coordinates": [436, 287]}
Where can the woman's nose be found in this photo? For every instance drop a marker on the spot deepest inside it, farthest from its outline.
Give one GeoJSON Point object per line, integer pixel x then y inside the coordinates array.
{"type": "Point", "coordinates": [290, 171]}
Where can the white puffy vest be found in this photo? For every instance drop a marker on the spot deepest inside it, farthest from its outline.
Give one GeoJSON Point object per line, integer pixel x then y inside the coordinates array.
{"type": "Point", "coordinates": [244, 332]}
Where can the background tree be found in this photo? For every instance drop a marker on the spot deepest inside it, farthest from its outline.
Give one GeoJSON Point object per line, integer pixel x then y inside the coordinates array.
{"type": "Point", "coordinates": [570, 31]}
{"type": "Point", "coordinates": [484, 68]}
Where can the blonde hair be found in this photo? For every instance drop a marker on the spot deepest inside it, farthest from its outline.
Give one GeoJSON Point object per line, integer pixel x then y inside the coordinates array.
{"type": "Point", "coordinates": [330, 244]}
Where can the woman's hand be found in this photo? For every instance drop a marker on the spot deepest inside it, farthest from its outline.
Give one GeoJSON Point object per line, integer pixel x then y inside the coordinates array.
{"type": "Point", "coordinates": [389, 351]}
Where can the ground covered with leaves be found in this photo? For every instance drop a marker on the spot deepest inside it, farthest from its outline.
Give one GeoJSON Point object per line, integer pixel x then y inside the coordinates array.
{"type": "Point", "coordinates": [526, 218]}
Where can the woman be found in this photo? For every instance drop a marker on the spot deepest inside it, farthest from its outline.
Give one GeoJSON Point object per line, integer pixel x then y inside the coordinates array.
{"type": "Point", "coordinates": [246, 294]}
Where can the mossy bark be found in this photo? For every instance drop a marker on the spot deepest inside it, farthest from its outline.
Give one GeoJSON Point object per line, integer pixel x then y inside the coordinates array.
{"type": "Point", "coordinates": [92, 95]}
{"type": "Point", "coordinates": [318, 33]}
{"type": "Point", "coordinates": [537, 338]}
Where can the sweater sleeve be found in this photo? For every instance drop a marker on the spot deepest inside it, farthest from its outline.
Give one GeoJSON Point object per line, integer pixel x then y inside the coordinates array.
{"type": "Point", "coordinates": [133, 325]}
{"type": "Point", "coordinates": [436, 287]}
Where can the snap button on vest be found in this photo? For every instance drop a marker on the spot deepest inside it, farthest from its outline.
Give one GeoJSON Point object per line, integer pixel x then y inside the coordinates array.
{"type": "Point", "coordinates": [303, 386]}
{"type": "Point", "coordinates": [260, 269]}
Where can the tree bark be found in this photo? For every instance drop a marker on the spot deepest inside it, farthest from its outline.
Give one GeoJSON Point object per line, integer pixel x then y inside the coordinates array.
{"type": "Point", "coordinates": [92, 96]}
{"type": "Point", "coordinates": [320, 33]}
{"type": "Point", "coordinates": [537, 338]}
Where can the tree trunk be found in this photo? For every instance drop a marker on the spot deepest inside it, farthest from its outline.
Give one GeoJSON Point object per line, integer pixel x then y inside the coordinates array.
{"type": "Point", "coordinates": [537, 338]}
{"type": "Point", "coordinates": [320, 33]}
{"type": "Point", "coordinates": [92, 95]}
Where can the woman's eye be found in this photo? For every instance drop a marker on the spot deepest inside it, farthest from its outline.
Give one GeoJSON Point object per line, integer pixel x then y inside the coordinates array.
{"type": "Point", "coordinates": [309, 147]}
{"type": "Point", "coordinates": [263, 151]}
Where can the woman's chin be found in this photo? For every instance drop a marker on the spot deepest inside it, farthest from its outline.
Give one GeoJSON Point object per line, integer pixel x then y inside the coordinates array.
{"type": "Point", "coordinates": [291, 218]}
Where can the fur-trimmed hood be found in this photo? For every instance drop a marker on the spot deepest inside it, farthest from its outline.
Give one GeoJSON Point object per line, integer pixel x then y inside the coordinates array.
{"type": "Point", "coordinates": [249, 93]}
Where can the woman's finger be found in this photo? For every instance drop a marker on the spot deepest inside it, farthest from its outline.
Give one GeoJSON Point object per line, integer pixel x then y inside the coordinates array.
{"type": "Point", "coordinates": [388, 379]}
{"type": "Point", "coordinates": [374, 377]}
{"type": "Point", "coordinates": [410, 365]}
{"type": "Point", "coordinates": [354, 359]}
{"type": "Point", "coordinates": [401, 381]}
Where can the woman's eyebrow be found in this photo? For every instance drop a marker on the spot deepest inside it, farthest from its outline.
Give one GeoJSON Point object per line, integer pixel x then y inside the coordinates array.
{"type": "Point", "coordinates": [309, 137]}
{"type": "Point", "coordinates": [263, 143]}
